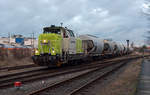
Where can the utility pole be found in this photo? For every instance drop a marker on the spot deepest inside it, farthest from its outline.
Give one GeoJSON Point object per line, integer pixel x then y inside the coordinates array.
{"type": "Point", "coordinates": [61, 24]}
{"type": "Point", "coordinates": [127, 45]}
{"type": "Point", "coordinates": [33, 40]}
{"type": "Point", "coordinates": [9, 37]}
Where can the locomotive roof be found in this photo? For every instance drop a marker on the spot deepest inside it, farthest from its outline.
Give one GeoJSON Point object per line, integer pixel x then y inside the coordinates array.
{"type": "Point", "coordinates": [56, 27]}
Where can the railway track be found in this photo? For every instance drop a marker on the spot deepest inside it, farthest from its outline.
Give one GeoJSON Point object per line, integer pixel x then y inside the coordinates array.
{"type": "Point", "coordinates": [53, 76]}
{"type": "Point", "coordinates": [105, 74]}
{"type": "Point", "coordinates": [26, 77]}
{"type": "Point", "coordinates": [72, 87]}
{"type": "Point", "coordinates": [24, 67]}
{"type": "Point", "coordinates": [18, 67]}
{"type": "Point", "coordinates": [7, 81]}
{"type": "Point", "coordinates": [75, 84]}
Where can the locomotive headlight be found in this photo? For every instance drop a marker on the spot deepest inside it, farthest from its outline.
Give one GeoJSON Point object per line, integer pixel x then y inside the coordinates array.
{"type": "Point", "coordinates": [53, 51]}
{"type": "Point", "coordinates": [44, 41]}
{"type": "Point", "coordinates": [36, 51]}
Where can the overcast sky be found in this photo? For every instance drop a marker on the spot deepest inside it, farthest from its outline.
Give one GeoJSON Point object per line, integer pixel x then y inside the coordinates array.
{"type": "Point", "coordinates": [116, 19]}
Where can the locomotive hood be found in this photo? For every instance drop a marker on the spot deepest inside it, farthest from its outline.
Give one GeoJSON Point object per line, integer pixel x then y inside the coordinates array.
{"type": "Point", "coordinates": [49, 43]}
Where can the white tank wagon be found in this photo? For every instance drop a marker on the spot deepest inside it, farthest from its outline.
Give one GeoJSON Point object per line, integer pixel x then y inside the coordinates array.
{"type": "Point", "coordinates": [125, 49]}
{"type": "Point", "coordinates": [122, 49]}
{"type": "Point", "coordinates": [92, 45]}
{"type": "Point", "coordinates": [130, 50]}
{"type": "Point", "coordinates": [109, 47]}
{"type": "Point", "coordinates": [119, 49]}
{"type": "Point", "coordinates": [115, 48]}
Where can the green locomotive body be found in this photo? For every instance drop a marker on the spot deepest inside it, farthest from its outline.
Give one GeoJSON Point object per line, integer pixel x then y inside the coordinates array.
{"type": "Point", "coordinates": [57, 46]}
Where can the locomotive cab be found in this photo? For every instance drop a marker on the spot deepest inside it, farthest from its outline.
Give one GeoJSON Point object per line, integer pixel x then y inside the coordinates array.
{"type": "Point", "coordinates": [68, 38]}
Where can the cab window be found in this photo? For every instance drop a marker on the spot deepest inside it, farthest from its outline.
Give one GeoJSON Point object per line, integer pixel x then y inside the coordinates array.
{"type": "Point", "coordinates": [65, 35]}
{"type": "Point", "coordinates": [56, 31]}
{"type": "Point", "coordinates": [71, 33]}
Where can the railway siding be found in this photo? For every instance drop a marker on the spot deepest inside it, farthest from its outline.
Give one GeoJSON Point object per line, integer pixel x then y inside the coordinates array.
{"type": "Point", "coordinates": [67, 87]}
{"type": "Point", "coordinates": [44, 82]}
{"type": "Point", "coordinates": [35, 85]}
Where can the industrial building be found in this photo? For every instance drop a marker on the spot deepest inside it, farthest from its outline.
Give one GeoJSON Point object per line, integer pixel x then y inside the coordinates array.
{"type": "Point", "coordinates": [19, 40]}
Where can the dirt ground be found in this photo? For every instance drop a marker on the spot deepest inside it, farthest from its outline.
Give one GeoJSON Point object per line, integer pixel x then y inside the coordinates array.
{"type": "Point", "coordinates": [121, 82]}
{"type": "Point", "coordinates": [15, 62]}
{"type": "Point", "coordinates": [125, 83]}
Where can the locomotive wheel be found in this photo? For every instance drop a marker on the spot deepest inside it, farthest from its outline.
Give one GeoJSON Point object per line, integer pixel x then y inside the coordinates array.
{"type": "Point", "coordinates": [59, 64]}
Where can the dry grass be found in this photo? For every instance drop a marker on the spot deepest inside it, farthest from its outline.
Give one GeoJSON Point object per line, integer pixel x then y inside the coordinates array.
{"type": "Point", "coordinates": [15, 62]}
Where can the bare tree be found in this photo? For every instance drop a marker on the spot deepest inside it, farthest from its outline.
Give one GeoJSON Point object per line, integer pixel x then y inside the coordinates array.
{"type": "Point", "coordinates": [148, 38]}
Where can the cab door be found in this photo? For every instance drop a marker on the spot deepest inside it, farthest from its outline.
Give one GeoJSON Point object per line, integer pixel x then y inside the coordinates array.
{"type": "Point", "coordinates": [72, 42]}
{"type": "Point", "coordinates": [69, 42]}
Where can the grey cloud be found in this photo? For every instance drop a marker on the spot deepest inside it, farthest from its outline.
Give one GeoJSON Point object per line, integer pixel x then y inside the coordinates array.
{"type": "Point", "coordinates": [103, 18]}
